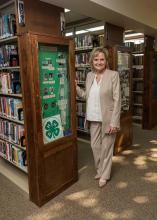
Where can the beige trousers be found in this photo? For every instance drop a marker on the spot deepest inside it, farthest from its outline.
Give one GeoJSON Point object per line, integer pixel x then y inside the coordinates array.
{"type": "Point", "coordinates": [102, 146]}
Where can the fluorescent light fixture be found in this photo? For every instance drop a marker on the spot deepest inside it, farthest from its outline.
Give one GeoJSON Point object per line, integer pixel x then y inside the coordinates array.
{"type": "Point", "coordinates": [69, 34]}
{"type": "Point", "coordinates": [81, 32]}
{"type": "Point", "coordinates": [128, 31]}
{"type": "Point", "coordinates": [90, 30]}
{"type": "Point", "coordinates": [134, 35]}
{"type": "Point", "coordinates": [96, 28]}
{"type": "Point", "coordinates": [66, 10]}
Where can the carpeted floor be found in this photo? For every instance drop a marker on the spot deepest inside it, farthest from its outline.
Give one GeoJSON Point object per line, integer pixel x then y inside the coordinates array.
{"type": "Point", "coordinates": [130, 195]}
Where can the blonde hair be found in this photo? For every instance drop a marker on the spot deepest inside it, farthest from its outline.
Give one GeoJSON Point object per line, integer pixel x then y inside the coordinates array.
{"type": "Point", "coordinates": [95, 53]}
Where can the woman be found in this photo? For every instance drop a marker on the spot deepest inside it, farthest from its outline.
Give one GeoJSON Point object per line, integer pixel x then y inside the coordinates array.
{"type": "Point", "coordinates": [103, 106]}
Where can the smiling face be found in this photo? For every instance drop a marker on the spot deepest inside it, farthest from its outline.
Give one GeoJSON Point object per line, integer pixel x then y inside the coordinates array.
{"type": "Point", "coordinates": [99, 62]}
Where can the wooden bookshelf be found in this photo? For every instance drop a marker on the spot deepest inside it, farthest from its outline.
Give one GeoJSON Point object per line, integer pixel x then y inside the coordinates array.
{"type": "Point", "coordinates": [12, 147]}
{"type": "Point", "coordinates": [52, 166]}
{"type": "Point", "coordinates": [84, 44]}
{"type": "Point", "coordinates": [143, 69]}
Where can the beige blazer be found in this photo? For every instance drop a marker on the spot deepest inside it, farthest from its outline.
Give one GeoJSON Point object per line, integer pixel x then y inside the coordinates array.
{"type": "Point", "coordinates": [110, 98]}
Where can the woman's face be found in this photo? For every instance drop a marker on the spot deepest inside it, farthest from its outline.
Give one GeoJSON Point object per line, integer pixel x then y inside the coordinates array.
{"type": "Point", "coordinates": [99, 62]}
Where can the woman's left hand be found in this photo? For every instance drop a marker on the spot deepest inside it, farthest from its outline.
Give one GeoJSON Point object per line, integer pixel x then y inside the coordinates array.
{"type": "Point", "coordinates": [113, 130]}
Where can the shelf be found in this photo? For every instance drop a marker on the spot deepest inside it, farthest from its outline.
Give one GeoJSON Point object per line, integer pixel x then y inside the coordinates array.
{"type": "Point", "coordinates": [138, 92]}
{"type": "Point", "coordinates": [138, 79]}
{"type": "Point", "coordinates": [10, 68]}
{"type": "Point", "coordinates": [137, 124]}
{"type": "Point", "coordinates": [8, 39]}
{"type": "Point", "coordinates": [81, 115]}
{"type": "Point", "coordinates": [139, 67]}
{"type": "Point", "coordinates": [137, 117]}
{"type": "Point", "coordinates": [82, 65]}
{"type": "Point", "coordinates": [81, 82]}
{"type": "Point", "coordinates": [137, 104]}
{"type": "Point", "coordinates": [138, 52]}
{"type": "Point", "coordinates": [16, 145]}
{"type": "Point", "coordinates": [13, 120]}
{"type": "Point", "coordinates": [11, 95]}
{"type": "Point", "coordinates": [21, 168]}
{"type": "Point", "coordinates": [80, 49]}
{"type": "Point", "coordinates": [121, 68]}
{"type": "Point", "coordinates": [82, 130]}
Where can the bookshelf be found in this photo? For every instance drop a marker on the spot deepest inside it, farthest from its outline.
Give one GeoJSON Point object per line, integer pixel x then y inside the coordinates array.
{"type": "Point", "coordinates": [143, 70]}
{"type": "Point", "coordinates": [36, 75]}
{"type": "Point", "coordinates": [83, 47]}
{"type": "Point", "coordinates": [12, 135]}
{"type": "Point", "coordinates": [138, 82]}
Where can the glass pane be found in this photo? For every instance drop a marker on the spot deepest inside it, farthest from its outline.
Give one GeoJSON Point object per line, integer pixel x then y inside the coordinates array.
{"type": "Point", "coordinates": [124, 73]}
{"type": "Point", "coordinates": [54, 91]}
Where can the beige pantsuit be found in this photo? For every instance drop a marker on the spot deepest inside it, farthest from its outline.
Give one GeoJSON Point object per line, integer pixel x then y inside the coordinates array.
{"type": "Point", "coordinates": [102, 147]}
{"type": "Point", "coordinates": [110, 102]}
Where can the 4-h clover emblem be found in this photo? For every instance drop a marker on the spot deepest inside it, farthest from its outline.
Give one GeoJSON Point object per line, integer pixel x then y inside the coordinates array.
{"type": "Point", "coordinates": [52, 128]}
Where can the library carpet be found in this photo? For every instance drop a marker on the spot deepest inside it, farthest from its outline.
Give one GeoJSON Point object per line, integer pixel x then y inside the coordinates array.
{"type": "Point", "coordinates": [130, 195]}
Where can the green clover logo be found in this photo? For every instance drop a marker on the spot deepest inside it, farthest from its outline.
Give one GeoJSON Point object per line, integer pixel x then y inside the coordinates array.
{"type": "Point", "coordinates": [52, 129]}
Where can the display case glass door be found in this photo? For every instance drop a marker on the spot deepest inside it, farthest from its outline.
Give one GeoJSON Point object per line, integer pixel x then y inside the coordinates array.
{"type": "Point", "coordinates": [54, 91]}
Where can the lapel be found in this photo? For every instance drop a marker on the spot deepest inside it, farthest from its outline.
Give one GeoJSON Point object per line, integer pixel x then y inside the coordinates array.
{"type": "Point", "coordinates": [103, 82]}
{"type": "Point", "coordinates": [90, 81]}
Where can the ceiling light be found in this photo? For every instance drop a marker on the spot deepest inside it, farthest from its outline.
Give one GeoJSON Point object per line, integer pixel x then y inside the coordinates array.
{"type": "Point", "coordinates": [96, 28]}
{"type": "Point", "coordinates": [66, 10]}
{"type": "Point", "coordinates": [134, 35]}
{"type": "Point", "coordinates": [81, 32]}
{"type": "Point", "coordinates": [69, 34]}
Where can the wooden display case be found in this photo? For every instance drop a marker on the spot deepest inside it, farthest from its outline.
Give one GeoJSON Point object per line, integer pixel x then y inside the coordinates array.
{"type": "Point", "coordinates": [52, 162]}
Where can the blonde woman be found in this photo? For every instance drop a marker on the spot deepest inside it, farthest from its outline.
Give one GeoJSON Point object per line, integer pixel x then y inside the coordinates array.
{"type": "Point", "coordinates": [103, 106]}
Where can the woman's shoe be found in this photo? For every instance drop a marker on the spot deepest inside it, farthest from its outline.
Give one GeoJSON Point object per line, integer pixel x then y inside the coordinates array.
{"type": "Point", "coordinates": [97, 176]}
{"type": "Point", "coordinates": [102, 182]}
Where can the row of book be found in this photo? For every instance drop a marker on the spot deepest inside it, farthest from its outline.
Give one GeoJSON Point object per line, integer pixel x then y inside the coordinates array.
{"type": "Point", "coordinates": [10, 82]}
{"type": "Point", "coordinates": [89, 41]}
{"type": "Point", "coordinates": [138, 60]}
{"type": "Point", "coordinates": [81, 75]}
{"type": "Point", "coordinates": [12, 132]}
{"type": "Point", "coordinates": [7, 25]}
{"type": "Point", "coordinates": [13, 154]}
{"type": "Point", "coordinates": [138, 47]}
{"type": "Point", "coordinates": [80, 122]}
{"type": "Point", "coordinates": [138, 86]}
{"type": "Point", "coordinates": [137, 111]}
{"type": "Point", "coordinates": [81, 108]}
{"type": "Point", "coordinates": [137, 73]}
{"type": "Point", "coordinates": [9, 55]}
{"type": "Point", "coordinates": [129, 44]}
{"type": "Point", "coordinates": [11, 108]}
{"type": "Point", "coordinates": [83, 41]}
{"type": "Point", "coordinates": [82, 58]}
{"type": "Point", "coordinates": [138, 98]}
{"type": "Point", "coordinates": [125, 95]}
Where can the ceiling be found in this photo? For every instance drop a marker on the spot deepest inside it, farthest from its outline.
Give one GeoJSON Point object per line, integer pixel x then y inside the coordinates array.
{"type": "Point", "coordinates": [138, 15]}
